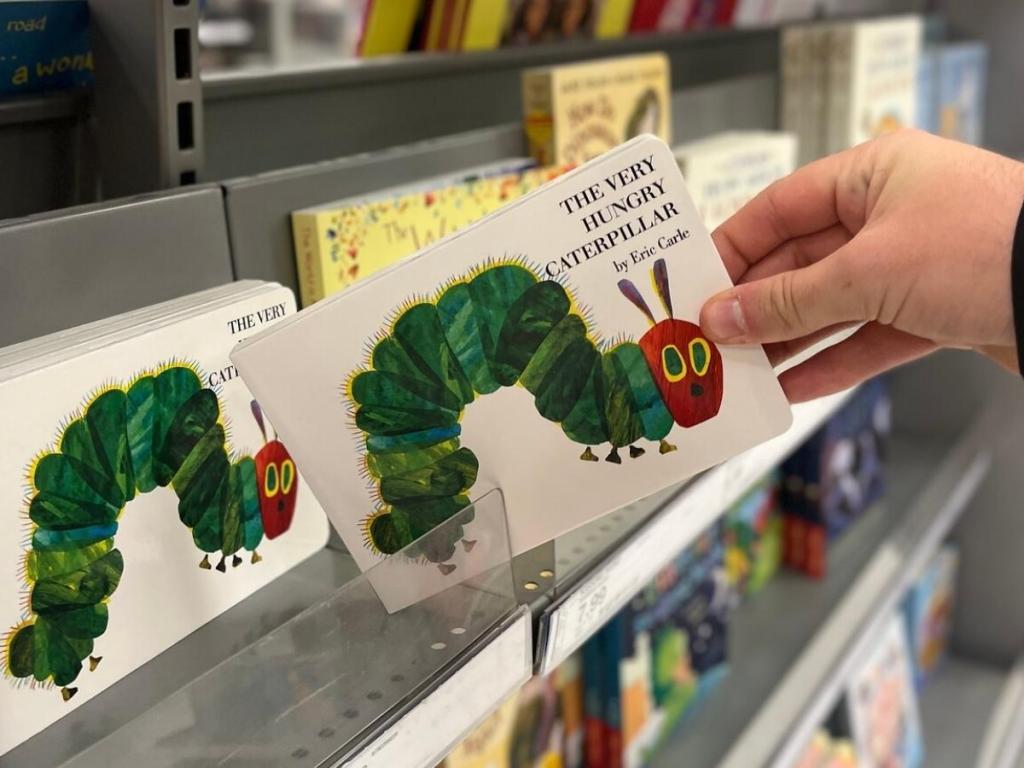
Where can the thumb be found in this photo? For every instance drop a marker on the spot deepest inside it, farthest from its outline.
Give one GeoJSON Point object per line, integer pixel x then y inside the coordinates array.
{"type": "Point", "coordinates": [788, 305]}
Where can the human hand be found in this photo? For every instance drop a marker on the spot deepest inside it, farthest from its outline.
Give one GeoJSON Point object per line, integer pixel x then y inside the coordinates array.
{"type": "Point", "coordinates": [909, 234]}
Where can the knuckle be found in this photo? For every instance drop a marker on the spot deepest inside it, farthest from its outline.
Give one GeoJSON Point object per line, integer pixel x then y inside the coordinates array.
{"type": "Point", "coordinates": [783, 306]}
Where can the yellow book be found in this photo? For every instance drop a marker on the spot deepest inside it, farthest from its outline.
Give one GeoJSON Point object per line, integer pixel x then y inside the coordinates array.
{"type": "Point", "coordinates": [387, 26]}
{"type": "Point", "coordinates": [339, 243]}
{"type": "Point", "coordinates": [484, 25]}
{"type": "Point", "coordinates": [488, 745]}
{"type": "Point", "coordinates": [613, 18]}
{"type": "Point", "coordinates": [574, 113]}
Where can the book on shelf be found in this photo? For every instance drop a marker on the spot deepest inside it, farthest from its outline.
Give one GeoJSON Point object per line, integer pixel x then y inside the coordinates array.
{"type": "Point", "coordinates": [341, 242]}
{"type": "Point", "coordinates": [612, 18]}
{"type": "Point", "coordinates": [387, 26]}
{"type": "Point", "coordinates": [398, 395]}
{"type": "Point", "coordinates": [850, 81]}
{"type": "Point", "coordinates": [662, 654]}
{"type": "Point", "coordinates": [725, 171]}
{"type": "Point", "coordinates": [963, 70]}
{"type": "Point", "coordinates": [574, 112]}
{"type": "Point", "coordinates": [928, 607]}
{"type": "Point", "coordinates": [145, 493]}
{"type": "Point", "coordinates": [882, 703]}
{"type": "Point", "coordinates": [44, 46]}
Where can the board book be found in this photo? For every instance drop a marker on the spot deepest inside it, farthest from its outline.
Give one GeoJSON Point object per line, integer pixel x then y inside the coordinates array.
{"type": "Point", "coordinates": [144, 493]}
{"type": "Point", "coordinates": [550, 351]}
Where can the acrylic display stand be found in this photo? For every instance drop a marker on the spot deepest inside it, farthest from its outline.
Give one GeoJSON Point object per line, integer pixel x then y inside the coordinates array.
{"type": "Point", "coordinates": [345, 681]}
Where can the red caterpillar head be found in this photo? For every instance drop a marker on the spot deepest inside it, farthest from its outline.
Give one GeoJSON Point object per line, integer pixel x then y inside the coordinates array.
{"type": "Point", "coordinates": [278, 482]}
{"type": "Point", "coordinates": [686, 367]}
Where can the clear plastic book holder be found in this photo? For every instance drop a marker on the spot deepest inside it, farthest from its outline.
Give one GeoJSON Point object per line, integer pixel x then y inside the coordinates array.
{"type": "Point", "coordinates": [319, 686]}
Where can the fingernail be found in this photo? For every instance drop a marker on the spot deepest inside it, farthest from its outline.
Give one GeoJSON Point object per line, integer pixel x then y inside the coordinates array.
{"type": "Point", "coordinates": [723, 320]}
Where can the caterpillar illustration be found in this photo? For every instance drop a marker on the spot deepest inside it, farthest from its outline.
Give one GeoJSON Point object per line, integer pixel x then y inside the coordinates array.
{"type": "Point", "coordinates": [162, 429]}
{"type": "Point", "coordinates": [503, 325]}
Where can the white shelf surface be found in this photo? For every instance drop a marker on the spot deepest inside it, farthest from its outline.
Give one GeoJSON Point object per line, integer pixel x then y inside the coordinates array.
{"type": "Point", "coordinates": [792, 647]}
{"type": "Point", "coordinates": [602, 565]}
{"type": "Point", "coordinates": [957, 705]}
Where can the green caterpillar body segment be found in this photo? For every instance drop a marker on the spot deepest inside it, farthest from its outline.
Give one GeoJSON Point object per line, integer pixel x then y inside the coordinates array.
{"type": "Point", "coordinates": [163, 430]}
{"type": "Point", "coordinates": [500, 327]}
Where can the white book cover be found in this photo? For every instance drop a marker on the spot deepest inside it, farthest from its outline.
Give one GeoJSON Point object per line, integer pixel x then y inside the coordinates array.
{"type": "Point", "coordinates": [883, 709]}
{"type": "Point", "coordinates": [883, 85]}
{"type": "Point", "coordinates": [144, 495]}
{"type": "Point", "coordinates": [550, 351]}
{"type": "Point", "coordinates": [724, 173]}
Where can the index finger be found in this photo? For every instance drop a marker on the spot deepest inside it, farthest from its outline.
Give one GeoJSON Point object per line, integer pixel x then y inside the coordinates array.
{"type": "Point", "coordinates": [799, 204]}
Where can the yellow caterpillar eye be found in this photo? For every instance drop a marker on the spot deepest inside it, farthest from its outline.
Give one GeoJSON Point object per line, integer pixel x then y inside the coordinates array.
{"type": "Point", "coordinates": [287, 475]}
{"type": "Point", "coordinates": [700, 356]}
{"type": "Point", "coordinates": [672, 363]}
{"type": "Point", "coordinates": [270, 482]}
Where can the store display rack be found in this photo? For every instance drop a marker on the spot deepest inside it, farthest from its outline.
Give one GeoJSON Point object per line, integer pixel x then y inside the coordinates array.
{"type": "Point", "coordinates": [312, 670]}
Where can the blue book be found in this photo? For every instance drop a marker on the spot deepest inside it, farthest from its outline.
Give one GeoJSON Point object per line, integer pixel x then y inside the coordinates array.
{"type": "Point", "coordinates": [927, 114]}
{"type": "Point", "coordinates": [44, 45]}
{"type": "Point", "coordinates": [963, 70]}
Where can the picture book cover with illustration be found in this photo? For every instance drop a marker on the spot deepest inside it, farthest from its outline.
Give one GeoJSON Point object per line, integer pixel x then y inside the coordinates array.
{"type": "Point", "coordinates": [574, 112]}
{"type": "Point", "coordinates": [341, 242]}
{"type": "Point", "coordinates": [144, 493]}
{"type": "Point", "coordinates": [44, 45]}
{"type": "Point", "coordinates": [883, 709]}
{"type": "Point", "coordinates": [550, 351]}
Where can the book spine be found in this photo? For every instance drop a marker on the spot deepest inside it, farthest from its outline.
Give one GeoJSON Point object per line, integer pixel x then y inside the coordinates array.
{"type": "Point", "coordinates": [613, 653]}
{"type": "Point", "coordinates": [538, 112]}
{"type": "Point", "coordinates": [593, 702]}
{"type": "Point", "coordinates": [308, 259]}
{"type": "Point", "coordinates": [794, 44]}
{"type": "Point", "coordinates": [839, 88]}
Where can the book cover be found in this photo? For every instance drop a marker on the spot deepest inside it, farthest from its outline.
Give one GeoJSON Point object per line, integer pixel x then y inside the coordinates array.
{"type": "Point", "coordinates": [883, 77]}
{"type": "Point", "coordinates": [646, 15]}
{"type": "Point", "coordinates": [753, 538]}
{"type": "Point", "coordinates": [144, 494]}
{"type": "Point", "coordinates": [44, 45]}
{"type": "Point", "coordinates": [594, 696]}
{"type": "Point", "coordinates": [963, 70]}
{"type": "Point", "coordinates": [724, 172]}
{"type": "Point", "coordinates": [489, 745]}
{"type": "Point", "coordinates": [927, 115]}
{"type": "Point", "coordinates": [612, 18]}
{"type": "Point", "coordinates": [528, 22]}
{"type": "Point", "coordinates": [485, 21]}
{"type": "Point", "coordinates": [387, 27]}
{"type": "Point", "coordinates": [550, 351]}
{"type": "Point", "coordinates": [341, 242]}
{"type": "Point", "coordinates": [575, 112]}
{"type": "Point", "coordinates": [929, 611]}
{"type": "Point", "coordinates": [883, 706]}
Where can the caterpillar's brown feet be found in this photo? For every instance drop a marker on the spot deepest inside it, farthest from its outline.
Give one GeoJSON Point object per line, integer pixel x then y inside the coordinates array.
{"type": "Point", "coordinates": [205, 563]}
{"type": "Point", "coordinates": [94, 661]}
{"type": "Point", "coordinates": [614, 457]}
{"type": "Point", "coordinates": [468, 544]}
{"type": "Point", "coordinates": [446, 568]}
{"type": "Point", "coordinates": [220, 566]}
{"type": "Point", "coordinates": [67, 693]}
{"type": "Point", "coordinates": [256, 557]}
{"type": "Point", "coordinates": [636, 451]}
{"type": "Point", "coordinates": [588, 455]}
{"type": "Point", "coordinates": [665, 447]}
{"type": "Point", "coordinates": [236, 561]}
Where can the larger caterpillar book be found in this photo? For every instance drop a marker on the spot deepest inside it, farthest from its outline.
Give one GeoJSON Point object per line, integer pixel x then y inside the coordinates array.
{"type": "Point", "coordinates": [143, 493]}
{"type": "Point", "coordinates": [550, 351]}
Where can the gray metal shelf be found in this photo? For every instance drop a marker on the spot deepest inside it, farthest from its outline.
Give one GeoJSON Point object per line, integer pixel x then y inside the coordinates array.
{"type": "Point", "coordinates": [957, 706]}
{"type": "Point", "coordinates": [792, 645]}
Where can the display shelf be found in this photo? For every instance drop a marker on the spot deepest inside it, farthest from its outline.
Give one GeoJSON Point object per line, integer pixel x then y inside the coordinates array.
{"type": "Point", "coordinates": [602, 565]}
{"type": "Point", "coordinates": [795, 644]}
{"type": "Point", "coordinates": [957, 706]}
{"type": "Point", "coordinates": [1003, 742]}
{"type": "Point", "coordinates": [391, 668]}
